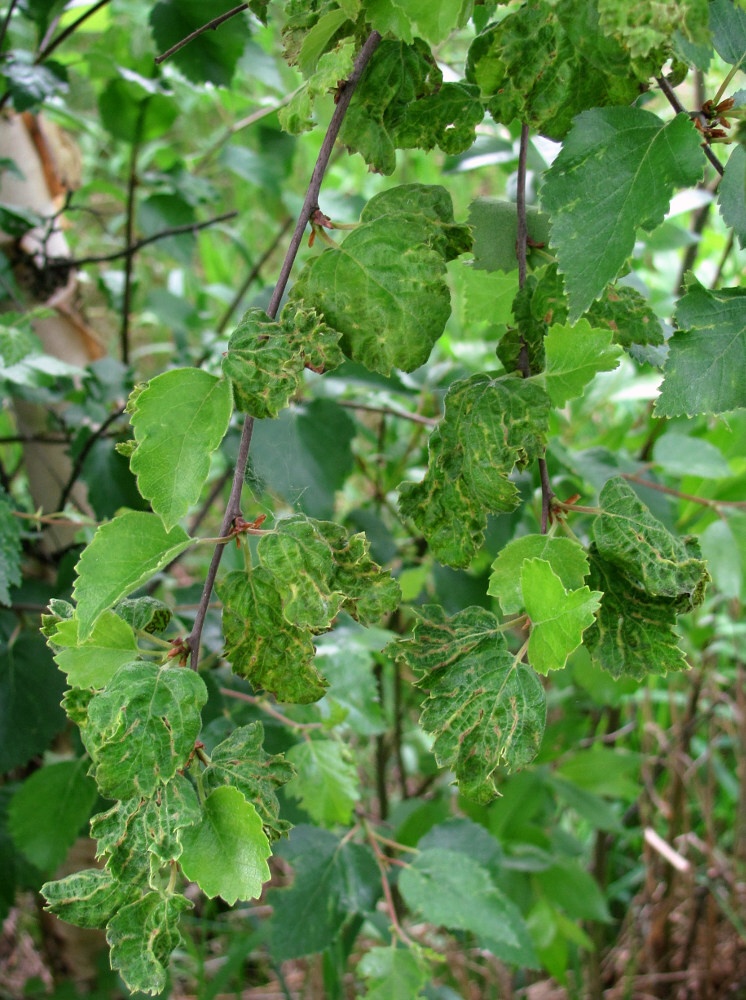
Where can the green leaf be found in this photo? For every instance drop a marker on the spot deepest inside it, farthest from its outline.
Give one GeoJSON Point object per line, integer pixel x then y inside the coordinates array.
{"type": "Point", "coordinates": [721, 550]}
{"type": "Point", "coordinates": [226, 854]}
{"type": "Point", "coordinates": [731, 197]}
{"type": "Point", "coordinates": [261, 644]}
{"type": "Point", "coordinates": [144, 614]}
{"type": "Point", "coordinates": [49, 810]}
{"type": "Point", "coordinates": [566, 557]}
{"type": "Point", "coordinates": [10, 548]}
{"type": "Point", "coordinates": [135, 109]}
{"type": "Point", "coordinates": [547, 62]}
{"type": "Point", "coordinates": [142, 728]}
{"type": "Point", "coordinates": [266, 359]}
{"type": "Point", "coordinates": [123, 554]}
{"type": "Point", "coordinates": [333, 66]}
{"type": "Point", "coordinates": [728, 24]}
{"type": "Point", "coordinates": [30, 690]}
{"type": "Point", "coordinates": [558, 617]}
{"type": "Point", "coordinates": [626, 162]}
{"type": "Point", "coordinates": [93, 662]}
{"type": "Point", "coordinates": [574, 355]}
{"type": "Point", "coordinates": [645, 27]}
{"type": "Point", "coordinates": [653, 560]}
{"type": "Point", "coordinates": [384, 287]}
{"type": "Point", "coordinates": [495, 225]}
{"type": "Point", "coordinates": [179, 418]}
{"type": "Point", "coordinates": [453, 890]}
{"type": "Point", "coordinates": [401, 102]}
{"type": "Point", "coordinates": [88, 898]}
{"type": "Point", "coordinates": [569, 886]}
{"type": "Point", "coordinates": [681, 455]}
{"type": "Point", "coordinates": [211, 57]}
{"type": "Point", "coordinates": [707, 354]}
{"type": "Point", "coordinates": [491, 425]}
{"type": "Point", "coordinates": [634, 634]}
{"type": "Point", "coordinates": [142, 937]}
{"type": "Point", "coordinates": [394, 972]}
{"type": "Point", "coordinates": [484, 708]}
{"type": "Point", "coordinates": [30, 83]}
{"type": "Point", "coordinates": [404, 18]}
{"type": "Point", "coordinates": [326, 781]}
{"type": "Point", "coordinates": [240, 761]}
{"type": "Point", "coordinates": [332, 881]}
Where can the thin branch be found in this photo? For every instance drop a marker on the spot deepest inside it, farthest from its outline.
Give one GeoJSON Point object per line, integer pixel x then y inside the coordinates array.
{"type": "Point", "coordinates": [46, 52]}
{"type": "Point", "coordinates": [6, 22]}
{"type": "Point", "coordinates": [265, 706]}
{"type": "Point", "coordinates": [680, 109]}
{"type": "Point", "coordinates": [210, 26]}
{"type": "Point", "coordinates": [84, 453]}
{"type": "Point", "coordinates": [233, 507]}
{"type": "Point", "coordinates": [703, 501]}
{"type": "Point", "coordinates": [389, 411]}
{"type": "Point", "coordinates": [132, 181]}
{"type": "Point", "coordinates": [188, 227]}
{"type": "Point", "coordinates": [255, 116]}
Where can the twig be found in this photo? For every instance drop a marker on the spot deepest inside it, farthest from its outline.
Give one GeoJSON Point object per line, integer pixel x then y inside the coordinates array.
{"type": "Point", "coordinates": [6, 22]}
{"type": "Point", "coordinates": [704, 501]}
{"type": "Point", "coordinates": [680, 109]}
{"type": "Point", "coordinates": [129, 232]}
{"type": "Point", "coordinates": [188, 227]}
{"type": "Point", "coordinates": [265, 706]}
{"type": "Point", "coordinates": [233, 508]}
{"type": "Point", "coordinates": [84, 453]}
{"type": "Point", "coordinates": [210, 26]}
{"type": "Point", "coordinates": [389, 411]}
{"type": "Point", "coordinates": [721, 264]}
{"type": "Point", "coordinates": [242, 123]}
{"type": "Point", "coordinates": [45, 52]}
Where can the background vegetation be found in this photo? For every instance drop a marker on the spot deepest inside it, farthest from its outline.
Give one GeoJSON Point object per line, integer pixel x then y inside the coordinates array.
{"type": "Point", "coordinates": [613, 862]}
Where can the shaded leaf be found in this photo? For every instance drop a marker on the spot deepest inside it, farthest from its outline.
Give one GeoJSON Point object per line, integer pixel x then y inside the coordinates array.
{"type": "Point", "coordinates": [491, 426]}
{"type": "Point", "coordinates": [394, 972]}
{"type": "Point", "coordinates": [10, 548]}
{"type": "Point", "coordinates": [731, 194]}
{"type": "Point", "coordinates": [495, 225]}
{"type": "Point", "coordinates": [226, 853]}
{"type": "Point", "coordinates": [484, 708]}
{"type": "Point", "coordinates": [558, 616]}
{"type": "Point", "coordinates": [707, 354]}
{"type": "Point", "coordinates": [728, 24]}
{"type": "Point", "coordinates": [31, 687]}
{"type": "Point", "coordinates": [213, 55]}
{"type": "Point", "coordinates": [326, 780]}
{"type": "Point", "coordinates": [626, 162]}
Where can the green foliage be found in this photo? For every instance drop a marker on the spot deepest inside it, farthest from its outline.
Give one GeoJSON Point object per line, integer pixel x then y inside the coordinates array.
{"type": "Point", "coordinates": [484, 494]}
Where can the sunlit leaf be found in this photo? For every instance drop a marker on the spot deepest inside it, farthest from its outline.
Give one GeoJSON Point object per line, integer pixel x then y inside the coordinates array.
{"type": "Point", "coordinates": [558, 616]}
{"type": "Point", "coordinates": [566, 557]}
{"type": "Point", "coordinates": [326, 781]}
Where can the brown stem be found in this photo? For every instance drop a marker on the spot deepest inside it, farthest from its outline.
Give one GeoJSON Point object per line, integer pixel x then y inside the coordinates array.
{"type": "Point", "coordinates": [233, 508]}
{"type": "Point", "coordinates": [132, 180]}
{"type": "Point", "coordinates": [704, 501]}
{"type": "Point", "coordinates": [680, 109]}
{"type": "Point", "coordinates": [210, 26]}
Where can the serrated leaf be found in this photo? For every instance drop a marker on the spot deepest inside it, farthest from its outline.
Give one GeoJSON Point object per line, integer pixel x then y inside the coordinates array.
{"type": "Point", "coordinates": [49, 810]}
{"type": "Point", "coordinates": [326, 780]}
{"type": "Point", "coordinates": [547, 62]}
{"type": "Point", "coordinates": [558, 616]}
{"type": "Point", "coordinates": [626, 162]}
{"type": "Point", "coordinates": [451, 889]}
{"type": "Point", "coordinates": [401, 102]}
{"type": "Point", "coordinates": [574, 355]}
{"type": "Point", "coordinates": [634, 634]}
{"type": "Point", "coordinates": [732, 194]}
{"type": "Point", "coordinates": [728, 24]}
{"type": "Point", "coordinates": [384, 287]}
{"type": "Point", "coordinates": [213, 55]}
{"type": "Point", "coordinates": [491, 425]}
{"type": "Point", "coordinates": [241, 761]}
{"type": "Point", "coordinates": [707, 354]}
{"type": "Point", "coordinates": [566, 557]}
{"type": "Point", "coordinates": [179, 419]}
{"type": "Point", "coordinates": [142, 727]}
{"type": "Point", "coordinates": [10, 548]}
{"type": "Point", "coordinates": [653, 560]}
{"type": "Point", "coordinates": [226, 854]}
{"type": "Point", "coordinates": [261, 644]}
{"type": "Point", "coordinates": [142, 937]}
{"type": "Point", "coordinates": [333, 66]}
{"type": "Point", "coordinates": [332, 881]}
{"type": "Point", "coordinates": [484, 708]}
{"type": "Point", "coordinates": [394, 972]}
{"type": "Point", "coordinates": [88, 898]}
{"type": "Point", "coordinates": [124, 553]}
{"type": "Point", "coordinates": [266, 359]}
{"type": "Point", "coordinates": [93, 662]}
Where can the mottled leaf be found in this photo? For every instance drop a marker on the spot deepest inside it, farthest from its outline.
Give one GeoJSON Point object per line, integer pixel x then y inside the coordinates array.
{"type": "Point", "coordinates": [491, 426]}
{"type": "Point", "coordinates": [484, 708]}
{"type": "Point", "coordinates": [266, 359]}
{"type": "Point", "coordinates": [644, 27]}
{"type": "Point", "coordinates": [142, 727]}
{"type": "Point", "coordinates": [179, 419]}
{"type": "Point", "coordinates": [241, 761]}
{"type": "Point", "coordinates": [144, 614]}
{"type": "Point", "coordinates": [326, 780]}
{"type": "Point", "coordinates": [124, 553]}
{"type": "Point", "coordinates": [142, 937]}
{"type": "Point", "coordinates": [384, 287]}
{"type": "Point", "coordinates": [406, 18]}
{"type": "Point", "coordinates": [704, 371]}
{"type": "Point", "coordinates": [558, 616]}
{"type": "Point", "coordinates": [226, 853]}
{"type": "Point", "coordinates": [616, 173]}
{"type": "Point", "coordinates": [566, 557]}
{"type": "Point", "coordinates": [574, 355]}
{"type": "Point", "coordinates": [88, 898]}
{"type": "Point", "coordinates": [644, 550]}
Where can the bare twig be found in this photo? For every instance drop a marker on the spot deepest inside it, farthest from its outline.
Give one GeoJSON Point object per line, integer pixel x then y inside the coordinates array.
{"type": "Point", "coordinates": [129, 233]}
{"type": "Point", "coordinates": [6, 22]}
{"type": "Point", "coordinates": [84, 453]}
{"type": "Point", "coordinates": [210, 26]}
{"type": "Point", "coordinates": [310, 203]}
{"type": "Point", "coordinates": [47, 50]}
{"type": "Point", "coordinates": [703, 501]}
{"type": "Point", "coordinates": [680, 109]}
{"type": "Point", "coordinates": [389, 411]}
